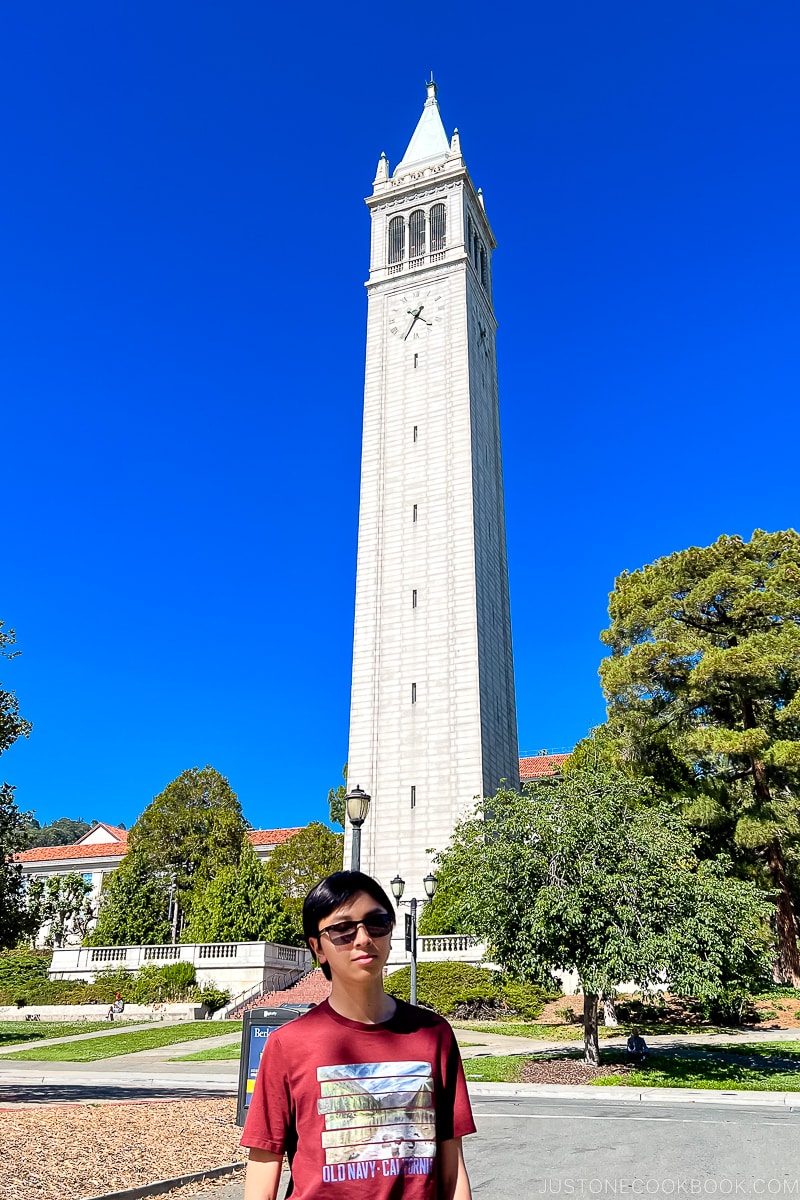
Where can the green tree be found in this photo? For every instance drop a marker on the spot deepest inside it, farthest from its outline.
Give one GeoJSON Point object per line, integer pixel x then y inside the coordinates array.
{"type": "Point", "coordinates": [15, 920]}
{"type": "Point", "coordinates": [301, 862]}
{"type": "Point", "coordinates": [134, 905]}
{"type": "Point", "coordinates": [240, 904]}
{"type": "Point", "coordinates": [336, 804]}
{"type": "Point", "coordinates": [12, 725]}
{"type": "Point", "coordinates": [191, 831]}
{"type": "Point", "coordinates": [62, 905]}
{"type": "Point", "coordinates": [703, 691]}
{"type": "Point", "coordinates": [62, 832]}
{"type": "Point", "coordinates": [585, 874]}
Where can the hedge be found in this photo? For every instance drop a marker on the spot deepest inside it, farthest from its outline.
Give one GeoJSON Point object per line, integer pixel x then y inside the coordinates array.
{"type": "Point", "coordinates": [447, 986]}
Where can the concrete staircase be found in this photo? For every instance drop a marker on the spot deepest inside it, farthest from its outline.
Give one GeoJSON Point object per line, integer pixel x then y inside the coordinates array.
{"type": "Point", "coordinates": [313, 988]}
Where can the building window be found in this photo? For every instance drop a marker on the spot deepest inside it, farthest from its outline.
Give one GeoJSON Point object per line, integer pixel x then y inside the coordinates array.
{"type": "Point", "coordinates": [415, 433]}
{"type": "Point", "coordinates": [397, 240]}
{"type": "Point", "coordinates": [416, 360]}
{"type": "Point", "coordinates": [87, 877]}
{"type": "Point", "coordinates": [413, 796]}
{"type": "Point", "coordinates": [438, 228]}
{"type": "Point", "coordinates": [414, 598]}
{"type": "Point", "coordinates": [413, 693]}
{"type": "Point", "coordinates": [416, 234]}
{"type": "Point", "coordinates": [484, 272]}
{"type": "Point", "coordinates": [414, 519]}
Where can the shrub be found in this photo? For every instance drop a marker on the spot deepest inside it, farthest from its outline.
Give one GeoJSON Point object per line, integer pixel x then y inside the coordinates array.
{"type": "Point", "coordinates": [528, 999]}
{"type": "Point", "coordinates": [18, 968]}
{"type": "Point", "coordinates": [213, 997]}
{"type": "Point", "coordinates": [565, 1014]}
{"type": "Point", "coordinates": [442, 986]}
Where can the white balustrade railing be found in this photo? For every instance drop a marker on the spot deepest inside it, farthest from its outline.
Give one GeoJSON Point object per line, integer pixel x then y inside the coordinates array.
{"type": "Point", "coordinates": [447, 943]}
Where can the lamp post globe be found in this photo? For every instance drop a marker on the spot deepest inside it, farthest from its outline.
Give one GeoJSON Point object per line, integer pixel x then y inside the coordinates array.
{"type": "Point", "coordinates": [429, 883]}
{"type": "Point", "coordinates": [398, 886]}
{"type": "Point", "coordinates": [356, 803]}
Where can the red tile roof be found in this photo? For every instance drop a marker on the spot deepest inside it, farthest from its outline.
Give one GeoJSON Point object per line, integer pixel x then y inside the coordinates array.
{"type": "Point", "coordinates": [256, 837]}
{"type": "Point", "coordinates": [540, 765]}
{"type": "Point", "coordinates": [270, 837]}
{"type": "Point", "coordinates": [114, 830]}
{"type": "Point", "coordinates": [69, 853]}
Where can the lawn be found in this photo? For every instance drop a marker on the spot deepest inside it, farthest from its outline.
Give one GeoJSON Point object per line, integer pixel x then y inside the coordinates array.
{"type": "Point", "coordinates": [124, 1043]}
{"type": "Point", "coordinates": [215, 1054]}
{"type": "Point", "coordinates": [574, 1033]}
{"type": "Point", "coordinates": [760, 1067]}
{"type": "Point", "coordinates": [12, 1032]}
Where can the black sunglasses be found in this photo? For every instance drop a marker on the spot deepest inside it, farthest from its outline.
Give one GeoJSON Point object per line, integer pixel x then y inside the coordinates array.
{"type": "Point", "coordinates": [344, 932]}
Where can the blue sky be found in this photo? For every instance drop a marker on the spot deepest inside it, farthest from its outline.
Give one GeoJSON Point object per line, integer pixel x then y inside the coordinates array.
{"type": "Point", "coordinates": [184, 246]}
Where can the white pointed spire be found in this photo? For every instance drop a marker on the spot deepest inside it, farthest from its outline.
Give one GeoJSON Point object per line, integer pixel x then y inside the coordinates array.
{"type": "Point", "coordinates": [429, 141]}
{"type": "Point", "coordinates": [382, 173]}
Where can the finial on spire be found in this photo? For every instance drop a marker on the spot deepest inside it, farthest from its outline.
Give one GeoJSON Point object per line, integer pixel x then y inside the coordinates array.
{"type": "Point", "coordinates": [480, 198]}
{"type": "Point", "coordinates": [382, 173]}
{"type": "Point", "coordinates": [432, 90]}
{"type": "Point", "coordinates": [455, 143]}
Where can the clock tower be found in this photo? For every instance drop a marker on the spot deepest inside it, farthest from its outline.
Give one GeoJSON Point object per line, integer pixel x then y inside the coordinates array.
{"type": "Point", "coordinates": [433, 714]}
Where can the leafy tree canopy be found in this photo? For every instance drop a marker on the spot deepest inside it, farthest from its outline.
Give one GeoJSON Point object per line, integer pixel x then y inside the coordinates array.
{"type": "Point", "coordinates": [134, 905]}
{"type": "Point", "coordinates": [585, 874]}
{"type": "Point", "coordinates": [703, 691]}
{"type": "Point", "coordinates": [241, 904]}
{"type": "Point", "coordinates": [15, 920]}
{"type": "Point", "coordinates": [62, 905]}
{"type": "Point", "coordinates": [336, 804]}
{"type": "Point", "coordinates": [12, 725]}
{"type": "Point", "coordinates": [191, 830]}
{"type": "Point", "coordinates": [63, 832]}
{"type": "Point", "coordinates": [300, 863]}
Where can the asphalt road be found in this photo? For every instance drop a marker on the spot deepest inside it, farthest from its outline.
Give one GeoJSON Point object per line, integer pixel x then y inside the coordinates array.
{"type": "Point", "coordinates": [529, 1147]}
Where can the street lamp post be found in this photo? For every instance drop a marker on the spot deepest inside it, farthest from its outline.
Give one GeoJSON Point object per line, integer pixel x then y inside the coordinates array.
{"type": "Point", "coordinates": [173, 907]}
{"type": "Point", "coordinates": [398, 887]}
{"type": "Point", "coordinates": [357, 805]}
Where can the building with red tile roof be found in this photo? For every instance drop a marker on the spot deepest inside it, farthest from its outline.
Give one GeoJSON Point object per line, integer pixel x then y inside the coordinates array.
{"type": "Point", "coordinates": [540, 765]}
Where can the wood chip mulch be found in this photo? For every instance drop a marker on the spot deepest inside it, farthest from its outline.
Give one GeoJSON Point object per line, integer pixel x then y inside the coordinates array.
{"type": "Point", "coordinates": [70, 1153]}
{"type": "Point", "coordinates": [566, 1071]}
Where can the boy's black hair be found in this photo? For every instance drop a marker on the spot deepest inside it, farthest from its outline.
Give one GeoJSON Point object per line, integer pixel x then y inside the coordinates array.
{"type": "Point", "coordinates": [334, 891]}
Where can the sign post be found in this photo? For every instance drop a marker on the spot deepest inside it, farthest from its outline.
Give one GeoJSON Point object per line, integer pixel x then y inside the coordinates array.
{"type": "Point", "coordinates": [257, 1025]}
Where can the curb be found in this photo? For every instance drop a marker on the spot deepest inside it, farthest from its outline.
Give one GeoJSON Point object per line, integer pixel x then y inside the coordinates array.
{"type": "Point", "coordinates": [166, 1185]}
{"type": "Point", "coordinates": [634, 1095]}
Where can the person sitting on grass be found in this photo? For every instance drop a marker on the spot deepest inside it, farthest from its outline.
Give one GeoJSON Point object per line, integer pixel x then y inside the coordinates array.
{"type": "Point", "coordinates": [363, 1089]}
{"type": "Point", "coordinates": [637, 1048]}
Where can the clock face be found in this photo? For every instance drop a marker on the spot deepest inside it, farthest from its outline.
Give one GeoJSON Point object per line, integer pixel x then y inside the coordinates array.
{"type": "Point", "coordinates": [414, 314]}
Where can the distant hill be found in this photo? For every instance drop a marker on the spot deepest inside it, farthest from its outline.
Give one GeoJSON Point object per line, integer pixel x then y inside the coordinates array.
{"type": "Point", "coordinates": [63, 832]}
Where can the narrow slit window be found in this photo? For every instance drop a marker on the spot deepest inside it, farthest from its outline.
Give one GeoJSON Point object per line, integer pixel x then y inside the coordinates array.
{"type": "Point", "coordinates": [438, 228]}
{"type": "Point", "coordinates": [484, 271]}
{"type": "Point", "coordinates": [416, 234]}
{"type": "Point", "coordinates": [413, 693]}
{"type": "Point", "coordinates": [415, 433]}
{"type": "Point", "coordinates": [414, 603]}
{"type": "Point", "coordinates": [416, 360]}
{"type": "Point", "coordinates": [413, 796]}
{"type": "Point", "coordinates": [397, 240]}
{"type": "Point", "coordinates": [414, 519]}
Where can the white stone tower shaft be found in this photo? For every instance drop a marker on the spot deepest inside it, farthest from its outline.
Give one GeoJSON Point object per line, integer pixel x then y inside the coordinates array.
{"type": "Point", "coordinates": [433, 714]}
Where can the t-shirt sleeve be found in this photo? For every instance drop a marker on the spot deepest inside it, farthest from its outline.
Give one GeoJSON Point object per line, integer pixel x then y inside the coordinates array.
{"type": "Point", "coordinates": [269, 1116]}
{"type": "Point", "coordinates": [454, 1111]}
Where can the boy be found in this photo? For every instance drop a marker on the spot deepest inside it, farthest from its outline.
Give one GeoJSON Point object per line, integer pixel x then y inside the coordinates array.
{"type": "Point", "coordinates": [366, 1094]}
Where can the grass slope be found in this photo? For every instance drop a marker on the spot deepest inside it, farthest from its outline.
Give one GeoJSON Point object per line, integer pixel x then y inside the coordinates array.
{"type": "Point", "coordinates": [124, 1043]}
{"type": "Point", "coordinates": [762, 1067]}
{"type": "Point", "coordinates": [574, 1033]}
{"type": "Point", "coordinates": [12, 1032]}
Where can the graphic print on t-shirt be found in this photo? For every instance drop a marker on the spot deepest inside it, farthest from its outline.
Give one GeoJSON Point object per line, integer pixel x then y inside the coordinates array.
{"type": "Point", "coordinates": [379, 1119]}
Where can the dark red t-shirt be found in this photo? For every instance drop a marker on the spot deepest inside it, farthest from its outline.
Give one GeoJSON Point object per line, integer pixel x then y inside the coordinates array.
{"type": "Point", "coordinates": [360, 1109]}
